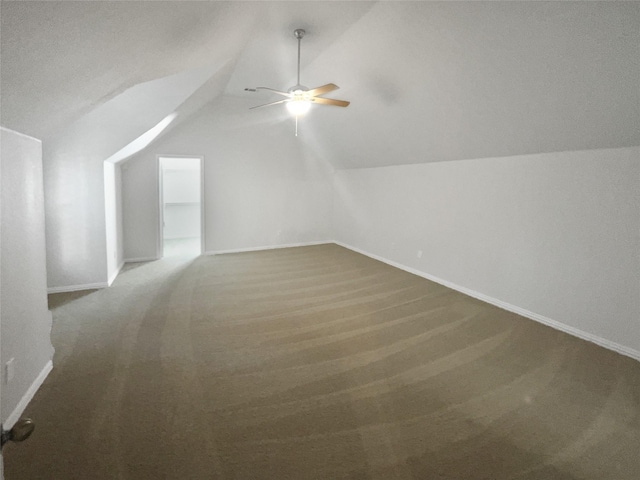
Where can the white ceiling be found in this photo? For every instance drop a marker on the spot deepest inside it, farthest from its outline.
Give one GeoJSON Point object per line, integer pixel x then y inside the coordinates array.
{"type": "Point", "coordinates": [428, 81]}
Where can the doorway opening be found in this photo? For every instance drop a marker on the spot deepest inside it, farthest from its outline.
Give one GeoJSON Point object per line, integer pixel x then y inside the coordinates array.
{"type": "Point", "coordinates": [181, 212]}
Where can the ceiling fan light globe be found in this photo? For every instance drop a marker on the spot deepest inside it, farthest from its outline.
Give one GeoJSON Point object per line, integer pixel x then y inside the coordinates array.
{"type": "Point", "coordinates": [298, 107]}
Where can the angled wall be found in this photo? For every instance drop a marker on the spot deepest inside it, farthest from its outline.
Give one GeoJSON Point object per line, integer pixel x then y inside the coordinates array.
{"type": "Point", "coordinates": [113, 219]}
{"type": "Point", "coordinates": [553, 236]}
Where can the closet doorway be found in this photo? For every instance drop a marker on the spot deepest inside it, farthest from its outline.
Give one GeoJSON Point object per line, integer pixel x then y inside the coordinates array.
{"type": "Point", "coordinates": [181, 200]}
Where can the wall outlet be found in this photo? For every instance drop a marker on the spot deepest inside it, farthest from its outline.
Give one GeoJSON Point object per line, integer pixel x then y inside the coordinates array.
{"type": "Point", "coordinates": [419, 253]}
{"type": "Point", "coordinates": [9, 370]}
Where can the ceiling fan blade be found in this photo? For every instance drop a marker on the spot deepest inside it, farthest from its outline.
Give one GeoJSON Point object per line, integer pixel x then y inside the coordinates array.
{"type": "Point", "coordinates": [286, 94]}
{"type": "Point", "coordinates": [329, 87]}
{"type": "Point", "coordinates": [330, 101]}
{"type": "Point", "coordinates": [267, 104]}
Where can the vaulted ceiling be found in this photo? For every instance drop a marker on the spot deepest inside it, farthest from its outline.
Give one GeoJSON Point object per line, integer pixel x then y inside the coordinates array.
{"type": "Point", "coordinates": [428, 81]}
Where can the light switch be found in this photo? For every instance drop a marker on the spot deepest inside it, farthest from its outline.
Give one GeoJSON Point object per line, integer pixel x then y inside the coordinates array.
{"type": "Point", "coordinates": [10, 370]}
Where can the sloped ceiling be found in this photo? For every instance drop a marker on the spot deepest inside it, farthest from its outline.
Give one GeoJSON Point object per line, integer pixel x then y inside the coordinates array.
{"type": "Point", "coordinates": [428, 81]}
{"type": "Point", "coordinates": [63, 61]}
{"type": "Point", "coordinates": [457, 80]}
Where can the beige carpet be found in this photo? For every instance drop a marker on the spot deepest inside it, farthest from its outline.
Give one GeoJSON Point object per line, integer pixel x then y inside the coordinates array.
{"type": "Point", "coordinates": [319, 363]}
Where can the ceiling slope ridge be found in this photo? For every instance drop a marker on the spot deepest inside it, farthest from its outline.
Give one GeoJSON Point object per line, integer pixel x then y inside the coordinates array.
{"type": "Point", "coordinates": [522, 156]}
{"type": "Point", "coordinates": [114, 125]}
{"type": "Point", "coordinates": [190, 108]}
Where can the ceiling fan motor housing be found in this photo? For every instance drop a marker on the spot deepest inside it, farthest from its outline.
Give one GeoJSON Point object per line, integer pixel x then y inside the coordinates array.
{"type": "Point", "coordinates": [298, 87]}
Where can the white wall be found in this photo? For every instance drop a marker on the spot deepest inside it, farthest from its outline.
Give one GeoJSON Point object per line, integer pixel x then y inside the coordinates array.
{"type": "Point", "coordinates": [556, 235]}
{"type": "Point", "coordinates": [140, 221]}
{"type": "Point", "coordinates": [261, 188]}
{"type": "Point", "coordinates": [113, 219]}
{"type": "Point", "coordinates": [181, 186]}
{"type": "Point", "coordinates": [25, 318]}
{"type": "Point", "coordinates": [181, 221]}
{"type": "Point", "coordinates": [181, 196]}
{"type": "Point", "coordinates": [119, 237]}
{"type": "Point", "coordinates": [75, 218]}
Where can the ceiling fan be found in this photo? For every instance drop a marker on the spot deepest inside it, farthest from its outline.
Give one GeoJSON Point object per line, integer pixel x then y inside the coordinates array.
{"type": "Point", "coordinates": [300, 98]}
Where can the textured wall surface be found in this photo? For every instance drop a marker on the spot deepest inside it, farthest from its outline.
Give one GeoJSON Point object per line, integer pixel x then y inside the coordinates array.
{"type": "Point", "coordinates": [26, 320]}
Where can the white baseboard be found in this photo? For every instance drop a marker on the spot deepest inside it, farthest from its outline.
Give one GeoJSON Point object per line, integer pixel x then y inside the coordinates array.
{"type": "Point", "coordinates": [26, 398]}
{"type": "Point", "coordinates": [267, 247]}
{"type": "Point", "coordinates": [141, 259]}
{"type": "Point", "coordinates": [87, 286]}
{"type": "Point", "coordinates": [115, 274]}
{"type": "Point", "coordinates": [603, 342]}
{"type": "Point", "coordinates": [75, 288]}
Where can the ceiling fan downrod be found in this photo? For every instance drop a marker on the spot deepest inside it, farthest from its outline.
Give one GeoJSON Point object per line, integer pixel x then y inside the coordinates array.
{"type": "Point", "coordinates": [299, 34]}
